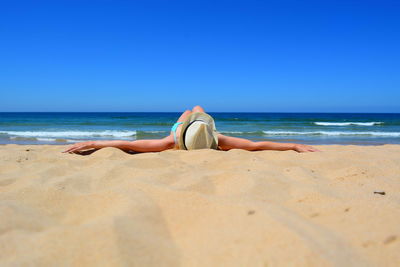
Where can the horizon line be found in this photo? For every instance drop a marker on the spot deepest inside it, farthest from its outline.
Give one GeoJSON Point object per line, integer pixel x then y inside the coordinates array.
{"type": "Point", "coordinates": [310, 112]}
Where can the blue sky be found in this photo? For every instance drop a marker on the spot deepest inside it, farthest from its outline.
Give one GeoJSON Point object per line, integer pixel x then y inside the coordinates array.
{"type": "Point", "coordinates": [306, 56]}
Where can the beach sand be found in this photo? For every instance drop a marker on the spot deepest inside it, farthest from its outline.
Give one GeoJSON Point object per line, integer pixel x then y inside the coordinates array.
{"type": "Point", "coordinates": [200, 208]}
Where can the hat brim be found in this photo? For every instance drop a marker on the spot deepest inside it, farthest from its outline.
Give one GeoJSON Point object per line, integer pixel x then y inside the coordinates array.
{"type": "Point", "coordinates": [195, 117]}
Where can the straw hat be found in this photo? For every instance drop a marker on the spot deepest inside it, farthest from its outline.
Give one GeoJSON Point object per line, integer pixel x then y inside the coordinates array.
{"type": "Point", "coordinates": [198, 131]}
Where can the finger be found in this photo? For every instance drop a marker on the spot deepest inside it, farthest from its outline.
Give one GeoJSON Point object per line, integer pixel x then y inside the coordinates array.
{"type": "Point", "coordinates": [72, 150]}
{"type": "Point", "coordinates": [69, 149]}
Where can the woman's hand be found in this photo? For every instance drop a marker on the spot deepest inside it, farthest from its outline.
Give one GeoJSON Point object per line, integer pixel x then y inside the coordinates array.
{"type": "Point", "coordinates": [305, 148]}
{"type": "Point", "coordinates": [78, 147]}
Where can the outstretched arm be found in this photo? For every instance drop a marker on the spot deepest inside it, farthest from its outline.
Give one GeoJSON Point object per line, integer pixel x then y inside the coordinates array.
{"type": "Point", "coordinates": [228, 142]}
{"type": "Point", "coordinates": [155, 145]}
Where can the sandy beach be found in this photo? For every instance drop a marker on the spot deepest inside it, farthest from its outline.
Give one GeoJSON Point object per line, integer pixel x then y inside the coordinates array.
{"type": "Point", "coordinates": [339, 207]}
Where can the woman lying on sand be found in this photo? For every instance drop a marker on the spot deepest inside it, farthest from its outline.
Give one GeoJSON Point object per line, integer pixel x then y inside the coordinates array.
{"type": "Point", "coordinates": [194, 130]}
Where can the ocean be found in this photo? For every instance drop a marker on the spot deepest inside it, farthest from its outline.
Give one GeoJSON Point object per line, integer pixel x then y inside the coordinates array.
{"type": "Point", "coordinates": [307, 128]}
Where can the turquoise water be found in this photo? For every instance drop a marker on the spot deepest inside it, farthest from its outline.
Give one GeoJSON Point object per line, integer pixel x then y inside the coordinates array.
{"type": "Point", "coordinates": [310, 128]}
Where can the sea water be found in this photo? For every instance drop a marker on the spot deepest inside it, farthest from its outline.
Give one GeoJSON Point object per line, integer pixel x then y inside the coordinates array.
{"type": "Point", "coordinates": [309, 128]}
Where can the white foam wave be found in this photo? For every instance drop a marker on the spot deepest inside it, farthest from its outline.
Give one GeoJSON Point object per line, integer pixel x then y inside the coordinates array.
{"type": "Point", "coordinates": [48, 139]}
{"type": "Point", "coordinates": [232, 132]}
{"type": "Point", "coordinates": [332, 133]}
{"type": "Point", "coordinates": [154, 131]}
{"type": "Point", "coordinates": [372, 123]}
{"type": "Point", "coordinates": [71, 134]}
{"type": "Point", "coordinates": [59, 140]}
{"type": "Point", "coordinates": [63, 140]}
{"type": "Point", "coordinates": [239, 132]}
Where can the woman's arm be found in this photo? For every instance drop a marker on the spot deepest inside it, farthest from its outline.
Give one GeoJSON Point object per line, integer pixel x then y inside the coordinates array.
{"type": "Point", "coordinates": [227, 143]}
{"type": "Point", "coordinates": [155, 145]}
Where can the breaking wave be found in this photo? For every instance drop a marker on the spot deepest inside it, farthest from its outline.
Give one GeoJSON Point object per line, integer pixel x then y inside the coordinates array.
{"type": "Point", "coordinates": [336, 133]}
{"type": "Point", "coordinates": [372, 123]}
{"type": "Point", "coordinates": [71, 134]}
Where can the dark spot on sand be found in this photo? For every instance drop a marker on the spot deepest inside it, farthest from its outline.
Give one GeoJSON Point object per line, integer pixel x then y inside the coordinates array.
{"type": "Point", "coordinates": [347, 209]}
{"type": "Point", "coordinates": [390, 239]}
{"type": "Point", "coordinates": [27, 150]}
{"type": "Point", "coordinates": [312, 171]}
{"type": "Point", "coordinates": [314, 215]}
{"type": "Point", "coordinates": [248, 170]}
{"type": "Point", "coordinates": [251, 212]}
{"type": "Point", "coordinates": [367, 244]}
{"type": "Point", "coordinates": [380, 192]}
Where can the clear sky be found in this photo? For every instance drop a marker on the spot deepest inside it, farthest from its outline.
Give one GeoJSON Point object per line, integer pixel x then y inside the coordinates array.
{"type": "Point", "coordinates": [306, 56]}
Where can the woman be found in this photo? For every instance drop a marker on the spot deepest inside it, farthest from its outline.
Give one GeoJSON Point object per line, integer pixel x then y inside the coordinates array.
{"type": "Point", "coordinates": [194, 130]}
